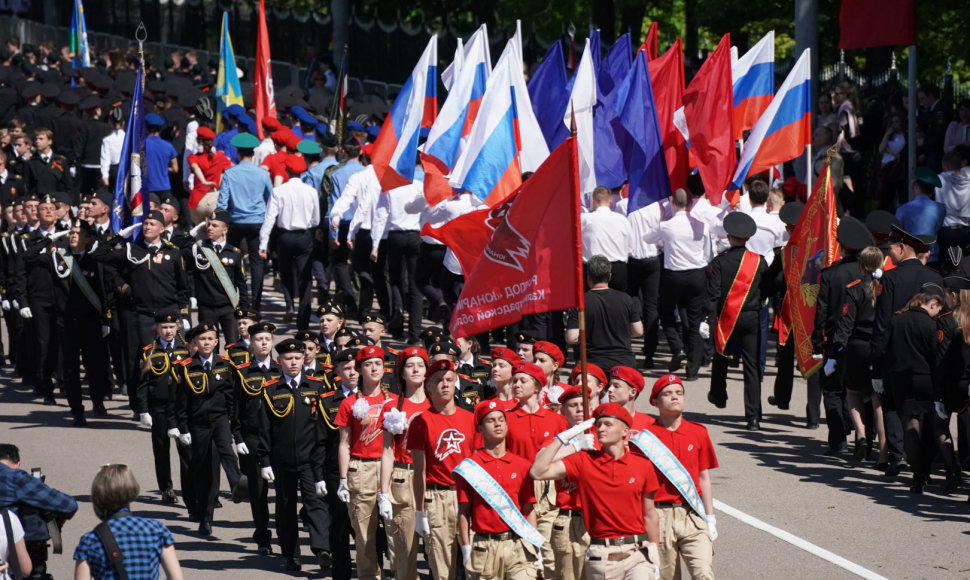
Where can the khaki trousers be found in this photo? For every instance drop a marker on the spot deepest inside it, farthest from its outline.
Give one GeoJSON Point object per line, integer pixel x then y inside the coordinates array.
{"type": "Point", "coordinates": [401, 539]}
{"type": "Point", "coordinates": [683, 533]}
{"type": "Point", "coordinates": [503, 559]}
{"type": "Point", "coordinates": [441, 546]}
{"type": "Point", "coordinates": [364, 483]}
{"type": "Point", "coordinates": [627, 562]}
{"type": "Point", "coordinates": [546, 513]}
{"type": "Point", "coordinates": [569, 544]}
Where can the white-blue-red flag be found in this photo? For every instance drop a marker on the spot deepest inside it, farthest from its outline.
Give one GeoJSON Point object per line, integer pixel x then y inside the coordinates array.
{"type": "Point", "coordinates": [130, 204]}
{"type": "Point", "coordinates": [582, 100]}
{"type": "Point", "coordinates": [753, 83]}
{"type": "Point", "coordinates": [396, 148]}
{"type": "Point", "coordinates": [785, 128]}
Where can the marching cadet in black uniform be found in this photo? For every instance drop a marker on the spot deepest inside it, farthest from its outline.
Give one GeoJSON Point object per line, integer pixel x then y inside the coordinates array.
{"type": "Point", "coordinates": [313, 357]}
{"type": "Point", "coordinates": [47, 171]}
{"type": "Point", "coordinates": [36, 280]}
{"type": "Point", "coordinates": [738, 279]}
{"type": "Point", "coordinates": [374, 327]}
{"type": "Point", "coordinates": [524, 341]}
{"type": "Point", "coordinates": [955, 354]}
{"type": "Point", "coordinates": [87, 145]}
{"type": "Point", "coordinates": [898, 286]}
{"type": "Point", "coordinates": [852, 236]}
{"type": "Point", "coordinates": [345, 377]}
{"type": "Point", "coordinates": [292, 450]}
{"type": "Point", "coordinates": [86, 320]}
{"type": "Point", "coordinates": [238, 351]}
{"type": "Point", "coordinates": [331, 318]}
{"type": "Point", "coordinates": [249, 378]}
{"type": "Point", "coordinates": [203, 406]}
{"type": "Point", "coordinates": [468, 392]}
{"type": "Point", "coordinates": [469, 363]}
{"type": "Point", "coordinates": [153, 281]}
{"type": "Point", "coordinates": [154, 401]}
{"type": "Point", "coordinates": [218, 275]}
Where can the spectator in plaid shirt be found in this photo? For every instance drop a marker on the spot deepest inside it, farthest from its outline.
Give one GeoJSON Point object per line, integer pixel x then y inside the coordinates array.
{"type": "Point", "coordinates": [18, 489]}
{"type": "Point", "coordinates": [144, 543]}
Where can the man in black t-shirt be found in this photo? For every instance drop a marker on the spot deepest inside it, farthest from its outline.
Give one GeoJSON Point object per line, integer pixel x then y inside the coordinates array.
{"type": "Point", "coordinates": [612, 319]}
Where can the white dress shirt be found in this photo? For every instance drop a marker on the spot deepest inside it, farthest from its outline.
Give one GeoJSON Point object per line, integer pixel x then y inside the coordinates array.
{"type": "Point", "coordinates": [606, 233]}
{"type": "Point", "coordinates": [392, 213]}
{"type": "Point", "coordinates": [362, 189]}
{"type": "Point", "coordinates": [770, 233]}
{"type": "Point", "coordinates": [192, 147]}
{"type": "Point", "coordinates": [111, 151]}
{"type": "Point", "coordinates": [686, 241]}
{"type": "Point", "coordinates": [293, 205]}
{"type": "Point", "coordinates": [645, 219]}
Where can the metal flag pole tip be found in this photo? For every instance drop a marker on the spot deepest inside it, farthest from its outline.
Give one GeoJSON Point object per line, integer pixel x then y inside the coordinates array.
{"type": "Point", "coordinates": [141, 34]}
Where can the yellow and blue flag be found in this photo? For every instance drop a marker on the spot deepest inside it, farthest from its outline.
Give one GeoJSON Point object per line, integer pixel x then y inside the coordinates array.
{"type": "Point", "coordinates": [80, 55]}
{"type": "Point", "coordinates": [228, 91]}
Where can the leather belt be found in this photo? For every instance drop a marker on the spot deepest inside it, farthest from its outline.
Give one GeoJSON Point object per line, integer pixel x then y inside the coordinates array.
{"type": "Point", "coordinates": [497, 537]}
{"type": "Point", "coordinates": [401, 465]}
{"type": "Point", "coordinates": [364, 459]}
{"type": "Point", "coordinates": [571, 513]}
{"type": "Point", "coordinates": [438, 487]}
{"type": "Point", "coordinates": [619, 541]}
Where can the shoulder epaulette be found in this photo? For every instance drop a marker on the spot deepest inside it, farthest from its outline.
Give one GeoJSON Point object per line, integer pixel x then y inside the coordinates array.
{"type": "Point", "coordinates": [486, 362]}
{"type": "Point", "coordinates": [318, 379]}
{"type": "Point", "coordinates": [466, 377]}
{"type": "Point", "coordinates": [271, 382]}
{"type": "Point", "coordinates": [851, 284]}
{"type": "Point", "coordinates": [149, 347]}
{"type": "Point", "coordinates": [327, 394]}
{"type": "Point", "coordinates": [185, 362]}
{"type": "Point", "coordinates": [230, 345]}
{"type": "Point", "coordinates": [326, 367]}
{"type": "Point", "coordinates": [242, 366]}
{"type": "Point", "coordinates": [392, 351]}
{"type": "Point", "coordinates": [224, 357]}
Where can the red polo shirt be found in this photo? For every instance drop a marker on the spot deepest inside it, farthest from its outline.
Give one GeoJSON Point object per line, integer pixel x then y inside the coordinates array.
{"type": "Point", "coordinates": [366, 436]}
{"type": "Point", "coordinates": [445, 439]}
{"type": "Point", "coordinates": [412, 410]}
{"type": "Point", "coordinates": [690, 443]}
{"type": "Point", "coordinates": [611, 491]}
{"type": "Point", "coordinates": [512, 473]}
{"type": "Point", "coordinates": [529, 432]}
{"type": "Point", "coordinates": [641, 421]}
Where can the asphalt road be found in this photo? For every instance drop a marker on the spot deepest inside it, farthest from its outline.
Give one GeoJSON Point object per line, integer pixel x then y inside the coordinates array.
{"type": "Point", "coordinates": [786, 510]}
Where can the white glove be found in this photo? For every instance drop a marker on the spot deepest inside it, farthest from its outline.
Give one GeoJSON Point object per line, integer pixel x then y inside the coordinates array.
{"type": "Point", "coordinates": [817, 357]}
{"type": "Point", "coordinates": [185, 438]}
{"type": "Point", "coordinates": [58, 235]}
{"type": "Point", "coordinates": [126, 233]}
{"type": "Point", "coordinates": [105, 330]}
{"type": "Point", "coordinates": [5, 304]}
{"type": "Point", "coordinates": [267, 474]}
{"type": "Point", "coordinates": [193, 303]}
{"type": "Point", "coordinates": [538, 562]}
{"type": "Point", "coordinates": [343, 494]}
{"type": "Point", "coordinates": [466, 554]}
{"type": "Point", "coordinates": [26, 313]}
{"type": "Point", "coordinates": [173, 433]}
{"type": "Point", "coordinates": [712, 526]}
{"type": "Point", "coordinates": [575, 430]}
{"type": "Point", "coordinates": [185, 325]}
{"type": "Point", "coordinates": [705, 330]}
{"type": "Point", "coordinates": [829, 367]}
{"type": "Point", "coordinates": [198, 228]}
{"type": "Point", "coordinates": [940, 411]}
{"type": "Point", "coordinates": [320, 487]}
{"type": "Point", "coordinates": [583, 442]}
{"type": "Point", "coordinates": [421, 524]}
{"type": "Point", "coordinates": [384, 507]}
{"type": "Point", "coordinates": [241, 449]}
{"type": "Point", "coordinates": [15, 305]}
{"type": "Point", "coordinates": [877, 386]}
{"type": "Point", "coordinates": [145, 419]}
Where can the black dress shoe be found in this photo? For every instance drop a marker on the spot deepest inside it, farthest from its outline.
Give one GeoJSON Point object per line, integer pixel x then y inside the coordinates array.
{"type": "Point", "coordinates": [264, 550]}
{"type": "Point", "coordinates": [753, 425]}
{"type": "Point", "coordinates": [811, 426]}
{"type": "Point", "coordinates": [240, 491]}
{"type": "Point", "coordinates": [291, 565]}
{"type": "Point", "coordinates": [894, 467]}
{"type": "Point", "coordinates": [917, 485]}
{"type": "Point", "coordinates": [690, 378]}
{"type": "Point", "coordinates": [774, 403]}
{"type": "Point", "coordinates": [168, 496]}
{"type": "Point", "coordinates": [324, 559]}
{"type": "Point", "coordinates": [49, 400]}
{"type": "Point", "coordinates": [205, 528]}
{"type": "Point", "coordinates": [675, 361]}
{"type": "Point", "coordinates": [861, 445]}
{"type": "Point", "coordinates": [218, 504]}
{"type": "Point", "coordinates": [648, 364]}
{"type": "Point", "coordinates": [80, 421]}
{"type": "Point", "coordinates": [100, 411]}
{"type": "Point", "coordinates": [715, 401]}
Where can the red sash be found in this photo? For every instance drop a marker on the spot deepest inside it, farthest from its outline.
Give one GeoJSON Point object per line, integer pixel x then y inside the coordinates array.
{"type": "Point", "coordinates": [735, 299]}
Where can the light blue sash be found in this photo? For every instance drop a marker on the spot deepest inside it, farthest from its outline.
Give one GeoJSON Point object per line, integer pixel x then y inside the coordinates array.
{"type": "Point", "coordinates": [231, 291]}
{"type": "Point", "coordinates": [493, 494]}
{"type": "Point", "coordinates": [80, 280]}
{"type": "Point", "coordinates": [671, 468]}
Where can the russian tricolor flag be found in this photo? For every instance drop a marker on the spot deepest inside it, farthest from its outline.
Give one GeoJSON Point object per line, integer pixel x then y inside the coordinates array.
{"type": "Point", "coordinates": [457, 116]}
{"type": "Point", "coordinates": [785, 129]}
{"type": "Point", "coordinates": [753, 83]}
{"type": "Point", "coordinates": [415, 108]}
{"type": "Point", "coordinates": [489, 166]}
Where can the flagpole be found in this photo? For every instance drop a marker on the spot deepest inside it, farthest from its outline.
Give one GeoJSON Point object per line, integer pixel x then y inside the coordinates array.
{"type": "Point", "coordinates": [335, 105]}
{"type": "Point", "coordinates": [808, 171]}
{"type": "Point", "coordinates": [581, 315]}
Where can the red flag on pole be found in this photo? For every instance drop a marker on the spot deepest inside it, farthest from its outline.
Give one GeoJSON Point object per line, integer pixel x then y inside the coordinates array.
{"type": "Point", "coordinates": [811, 248]}
{"type": "Point", "coordinates": [709, 110]}
{"type": "Point", "coordinates": [533, 260]}
{"type": "Point", "coordinates": [466, 236]}
{"type": "Point", "coordinates": [667, 80]}
{"type": "Point", "coordinates": [650, 42]}
{"type": "Point", "coordinates": [263, 99]}
{"type": "Point", "coordinates": [865, 23]}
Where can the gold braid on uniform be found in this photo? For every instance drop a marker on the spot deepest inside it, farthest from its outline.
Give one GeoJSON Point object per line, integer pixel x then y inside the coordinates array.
{"type": "Point", "coordinates": [196, 390]}
{"type": "Point", "coordinates": [246, 388]}
{"type": "Point", "coordinates": [272, 409]}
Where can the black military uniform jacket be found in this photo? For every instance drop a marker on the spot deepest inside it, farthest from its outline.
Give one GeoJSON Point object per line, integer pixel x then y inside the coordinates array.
{"type": "Point", "coordinates": [208, 290]}
{"type": "Point", "coordinates": [724, 269]}
{"type": "Point", "coordinates": [329, 405]}
{"type": "Point", "coordinates": [154, 281]}
{"type": "Point", "coordinates": [37, 274]}
{"type": "Point", "coordinates": [855, 316]}
{"type": "Point", "coordinates": [248, 379]}
{"type": "Point", "coordinates": [831, 296]}
{"type": "Point", "coordinates": [76, 302]}
{"type": "Point", "coordinates": [50, 176]}
{"type": "Point", "coordinates": [86, 145]}
{"type": "Point", "coordinates": [898, 286]}
{"type": "Point", "coordinates": [159, 379]}
{"type": "Point", "coordinates": [204, 396]}
{"type": "Point", "coordinates": [913, 346]}
{"type": "Point", "coordinates": [238, 353]}
{"type": "Point", "coordinates": [293, 432]}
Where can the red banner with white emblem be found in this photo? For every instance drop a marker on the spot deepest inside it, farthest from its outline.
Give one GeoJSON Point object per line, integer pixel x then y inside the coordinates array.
{"type": "Point", "coordinates": [533, 260]}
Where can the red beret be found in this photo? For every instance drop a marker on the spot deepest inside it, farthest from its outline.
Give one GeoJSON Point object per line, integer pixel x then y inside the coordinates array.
{"type": "Point", "coordinates": [206, 133]}
{"type": "Point", "coordinates": [533, 370]}
{"type": "Point", "coordinates": [279, 136]}
{"type": "Point", "coordinates": [500, 352]}
{"type": "Point", "coordinates": [631, 376]}
{"type": "Point", "coordinates": [591, 369]}
{"type": "Point", "coordinates": [550, 349]}
{"type": "Point", "coordinates": [662, 382]}
{"type": "Point", "coordinates": [570, 393]}
{"type": "Point", "coordinates": [438, 366]}
{"type": "Point", "coordinates": [295, 164]}
{"type": "Point", "coordinates": [369, 352]}
{"type": "Point", "coordinates": [486, 407]}
{"type": "Point", "coordinates": [271, 123]}
{"type": "Point", "coordinates": [292, 142]}
{"type": "Point", "coordinates": [613, 410]}
{"type": "Point", "coordinates": [412, 351]}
